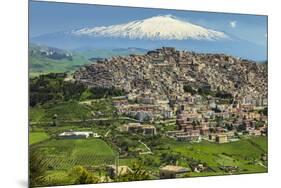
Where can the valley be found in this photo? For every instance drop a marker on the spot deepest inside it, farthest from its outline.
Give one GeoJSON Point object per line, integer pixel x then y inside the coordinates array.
{"type": "Point", "coordinates": [143, 114]}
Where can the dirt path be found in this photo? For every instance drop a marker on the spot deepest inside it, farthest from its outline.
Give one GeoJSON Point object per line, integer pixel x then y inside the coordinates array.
{"type": "Point", "coordinates": [148, 149]}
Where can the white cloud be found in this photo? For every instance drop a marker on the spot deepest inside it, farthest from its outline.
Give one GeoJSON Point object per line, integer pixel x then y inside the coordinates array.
{"type": "Point", "coordinates": [233, 24]}
{"type": "Point", "coordinates": [265, 35]}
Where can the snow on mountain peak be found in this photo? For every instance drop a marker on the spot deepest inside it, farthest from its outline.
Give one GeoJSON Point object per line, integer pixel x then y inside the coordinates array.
{"type": "Point", "coordinates": [164, 27]}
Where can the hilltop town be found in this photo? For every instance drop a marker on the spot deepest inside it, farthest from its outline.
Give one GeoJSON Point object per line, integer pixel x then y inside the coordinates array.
{"type": "Point", "coordinates": [212, 96]}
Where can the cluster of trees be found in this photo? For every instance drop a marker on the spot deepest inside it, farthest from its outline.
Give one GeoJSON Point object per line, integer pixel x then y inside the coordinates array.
{"type": "Point", "coordinates": [83, 176]}
{"type": "Point", "coordinates": [204, 91]}
{"type": "Point", "coordinates": [224, 95]}
{"type": "Point", "coordinates": [137, 174]}
{"type": "Point", "coordinates": [97, 93]}
{"type": "Point", "coordinates": [264, 111]}
{"type": "Point", "coordinates": [37, 169]}
{"type": "Point", "coordinates": [170, 158]}
{"type": "Point", "coordinates": [242, 127]}
{"type": "Point", "coordinates": [78, 174]}
{"type": "Point", "coordinates": [189, 89]}
{"type": "Point", "coordinates": [53, 87]}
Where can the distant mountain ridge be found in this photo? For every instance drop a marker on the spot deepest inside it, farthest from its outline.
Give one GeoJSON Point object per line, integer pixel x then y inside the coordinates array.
{"type": "Point", "coordinates": [49, 52]}
{"type": "Point", "coordinates": [44, 59]}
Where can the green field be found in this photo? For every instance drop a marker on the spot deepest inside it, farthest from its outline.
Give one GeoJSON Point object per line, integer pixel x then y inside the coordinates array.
{"type": "Point", "coordinates": [35, 137]}
{"type": "Point", "coordinates": [71, 110]}
{"type": "Point", "coordinates": [245, 153]}
{"type": "Point", "coordinates": [64, 110]}
{"type": "Point", "coordinates": [67, 153]}
{"type": "Point", "coordinates": [42, 65]}
{"type": "Point", "coordinates": [62, 155]}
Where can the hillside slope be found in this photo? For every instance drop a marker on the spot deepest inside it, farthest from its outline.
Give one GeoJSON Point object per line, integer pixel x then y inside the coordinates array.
{"type": "Point", "coordinates": [166, 71]}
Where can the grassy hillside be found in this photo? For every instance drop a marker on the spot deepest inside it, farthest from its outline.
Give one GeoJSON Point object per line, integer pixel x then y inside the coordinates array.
{"type": "Point", "coordinates": [64, 110]}
{"type": "Point", "coordinates": [245, 153]}
{"type": "Point", "coordinates": [42, 63]}
{"type": "Point", "coordinates": [71, 110]}
{"type": "Point", "coordinates": [36, 137]}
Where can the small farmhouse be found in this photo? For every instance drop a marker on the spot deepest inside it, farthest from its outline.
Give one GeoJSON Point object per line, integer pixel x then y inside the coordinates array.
{"type": "Point", "coordinates": [221, 138]}
{"type": "Point", "coordinates": [171, 171]}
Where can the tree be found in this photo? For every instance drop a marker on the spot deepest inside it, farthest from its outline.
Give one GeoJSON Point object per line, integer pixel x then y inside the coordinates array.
{"type": "Point", "coordinates": [137, 173]}
{"type": "Point", "coordinates": [205, 91]}
{"type": "Point", "coordinates": [169, 158]}
{"type": "Point", "coordinates": [242, 127]}
{"type": "Point", "coordinates": [229, 127]}
{"type": "Point", "coordinates": [264, 111]}
{"type": "Point", "coordinates": [224, 95]}
{"type": "Point", "coordinates": [189, 89]}
{"type": "Point", "coordinates": [52, 87]}
{"type": "Point", "coordinates": [37, 169]}
{"type": "Point", "coordinates": [83, 176]}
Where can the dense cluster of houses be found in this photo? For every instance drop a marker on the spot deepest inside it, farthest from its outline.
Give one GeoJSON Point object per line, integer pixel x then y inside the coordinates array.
{"type": "Point", "coordinates": [220, 127]}
{"type": "Point", "coordinates": [211, 96]}
{"type": "Point", "coordinates": [195, 121]}
{"type": "Point", "coordinates": [162, 73]}
{"type": "Point", "coordinates": [139, 128]}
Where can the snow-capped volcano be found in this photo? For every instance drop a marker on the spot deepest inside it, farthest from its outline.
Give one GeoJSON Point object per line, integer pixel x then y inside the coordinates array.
{"type": "Point", "coordinates": [155, 28]}
{"type": "Point", "coordinates": [152, 33]}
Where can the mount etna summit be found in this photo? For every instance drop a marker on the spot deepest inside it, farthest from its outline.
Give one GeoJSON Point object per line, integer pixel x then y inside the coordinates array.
{"type": "Point", "coordinates": [155, 28]}
{"type": "Point", "coordinates": [155, 32]}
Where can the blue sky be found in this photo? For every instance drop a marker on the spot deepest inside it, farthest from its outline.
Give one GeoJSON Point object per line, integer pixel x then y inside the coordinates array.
{"type": "Point", "coordinates": [48, 17]}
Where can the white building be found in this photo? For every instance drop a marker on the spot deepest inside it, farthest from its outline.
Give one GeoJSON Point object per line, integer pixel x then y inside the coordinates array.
{"type": "Point", "coordinates": [78, 134]}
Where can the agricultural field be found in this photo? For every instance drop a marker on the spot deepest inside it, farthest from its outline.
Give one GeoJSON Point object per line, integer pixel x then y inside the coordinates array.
{"type": "Point", "coordinates": [36, 137]}
{"type": "Point", "coordinates": [64, 154]}
{"type": "Point", "coordinates": [245, 154]}
{"type": "Point", "coordinates": [60, 157]}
